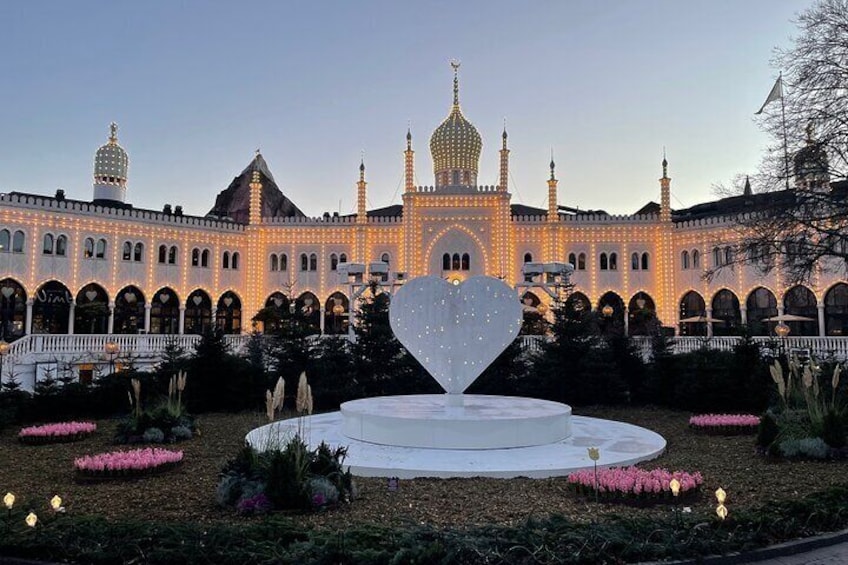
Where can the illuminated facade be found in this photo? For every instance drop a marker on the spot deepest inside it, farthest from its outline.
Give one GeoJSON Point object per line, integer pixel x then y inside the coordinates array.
{"type": "Point", "coordinates": [102, 266]}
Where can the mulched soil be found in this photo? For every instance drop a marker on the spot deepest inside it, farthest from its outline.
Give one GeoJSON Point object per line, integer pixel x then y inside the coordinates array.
{"type": "Point", "coordinates": [36, 473]}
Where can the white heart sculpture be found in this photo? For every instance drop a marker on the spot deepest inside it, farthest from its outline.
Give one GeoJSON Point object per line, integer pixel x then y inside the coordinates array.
{"type": "Point", "coordinates": [278, 302]}
{"type": "Point", "coordinates": [163, 298]}
{"type": "Point", "coordinates": [91, 295]}
{"type": "Point", "coordinates": [228, 301]}
{"type": "Point", "coordinates": [197, 300]}
{"type": "Point", "coordinates": [455, 332]}
{"type": "Point", "coordinates": [7, 291]}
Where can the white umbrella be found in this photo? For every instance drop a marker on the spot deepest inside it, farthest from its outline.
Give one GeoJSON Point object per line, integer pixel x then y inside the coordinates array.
{"type": "Point", "coordinates": [700, 319]}
{"type": "Point", "coordinates": [789, 318]}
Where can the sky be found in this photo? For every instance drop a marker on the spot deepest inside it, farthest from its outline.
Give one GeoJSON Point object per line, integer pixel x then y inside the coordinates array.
{"type": "Point", "coordinates": [197, 86]}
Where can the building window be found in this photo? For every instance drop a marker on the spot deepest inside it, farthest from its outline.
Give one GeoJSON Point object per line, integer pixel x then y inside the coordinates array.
{"type": "Point", "coordinates": [604, 262]}
{"type": "Point", "coordinates": [728, 255]}
{"type": "Point", "coordinates": [613, 262]}
{"type": "Point", "coordinates": [204, 258]}
{"type": "Point", "coordinates": [138, 252]}
{"type": "Point", "coordinates": [18, 242]}
{"type": "Point", "coordinates": [5, 240]}
{"type": "Point", "coordinates": [88, 248]}
{"type": "Point", "coordinates": [572, 259]}
{"type": "Point", "coordinates": [718, 256]}
{"type": "Point", "coordinates": [696, 259]}
{"type": "Point", "coordinates": [126, 251]}
{"type": "Point", "coordinates": [581, 262]}
{"type": "Point", "coordinates": [334, 262]}
{"type": "Point", "coordinates": [684, 259]}
{"type": "Point", "coordinates": [163, 253]}
{"type": "Point", "coordinates": [275, 264]}
{"type": "Point", "coordinates": [343, 258]}
{"type": "Point", "coordinates": [304, 262]}
{"type": "Point", "coordinates": [61, 246]}
{"type": "Point", "coordinates": [528, 257]}
{"type": "Point", "coordinates": [466, 262]}
{"type": "Point", "coordinates": [47, 247]}
{"type": "Point", "coordinates": [195, 257]}
{"type": "Point", "coordinates": [313, 262]}
{"type": "Point", "coordinates": [284, 262]}
{"type": "Point", "coordinates": [634, 262]}
{"type": "Point", "coordinates": [172, 255]}
{"type": "Point", "coordinates": [455, 262]}
{"type": "Point", "coordinates": [446, 262]}
{"type": "Point", "coordinates": [225, 261]}
{"type": "Point", "coordinates": [100, 249]}
{"type": "Point", "coordinates": [645, 261]}
{"type": "Point", "coordinates": [234, 262]}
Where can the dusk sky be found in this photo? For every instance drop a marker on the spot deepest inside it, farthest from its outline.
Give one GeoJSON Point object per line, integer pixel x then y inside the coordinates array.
{"type": "Point", "coordinates": [196, 87]}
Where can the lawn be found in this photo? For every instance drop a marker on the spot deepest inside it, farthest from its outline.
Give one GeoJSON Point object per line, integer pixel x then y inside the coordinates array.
{"type": "Point", "coordinates": [187, 494]}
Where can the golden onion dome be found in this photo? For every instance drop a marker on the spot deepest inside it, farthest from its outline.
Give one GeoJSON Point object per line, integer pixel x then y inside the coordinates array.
{"type": "Point", "coordinates": [111, 161]}
{"type": "Point", "coordinates": [455, 144]}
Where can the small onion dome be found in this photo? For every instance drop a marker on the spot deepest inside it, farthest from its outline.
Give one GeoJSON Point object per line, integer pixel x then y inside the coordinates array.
{"type": "Point", "coordinates": [111, 161]}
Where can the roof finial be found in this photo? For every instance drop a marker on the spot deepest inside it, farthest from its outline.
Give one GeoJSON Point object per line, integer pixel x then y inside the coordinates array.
{"type": "Point", "coordinates": [113, 132]}
{"type": "Point", "coordinates": [257, 152]}
{"type": "Point", "coordinates": [553, 165]}
{"type": "Point", "coordinates": [504, 135]}
{"type": "Point", "coordinates": [455, 64]}
{"type": "Point", "coordinates": [747, 190]}
{"type": "Point", "coordinates": [664, 164]}
{"type": "Point", "coordinates": [409, 135]}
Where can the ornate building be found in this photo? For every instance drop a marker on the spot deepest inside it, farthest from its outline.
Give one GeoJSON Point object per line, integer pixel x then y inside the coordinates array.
{"type": "Point", "coordinates": [103, 266]}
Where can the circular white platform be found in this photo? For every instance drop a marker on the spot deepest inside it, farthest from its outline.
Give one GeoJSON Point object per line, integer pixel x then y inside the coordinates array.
{"type": "Point", "coordinates": [482, 422]}
{"type": "Point", "coordinates": [619, 444]}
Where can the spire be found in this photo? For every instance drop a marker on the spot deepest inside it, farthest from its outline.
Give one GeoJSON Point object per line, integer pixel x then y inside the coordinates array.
{"type": "Point", "coordinates": [553, 165]}
{"type": "Point", "coordinates": [362, 169]}
{"type": "Point", "coordinates": [455, 64]}
{"type": "Point", "coordinates": [255, 210]}
{"type": "Point", "coordinates": [361, 212]}
{"type": "Point", "coordinates": [409, 138]}
{"type": "Point", "coordinates": [113, 133]}
{"type": "Point", "coordinates": [504, 171]}
{"type": "Point", "coordinates": [664, 165]}
{"type": "Point", "coordinates": [553, 213]}
{"type": "Point", "coordinates": [747, 190]}
{"type": "Point", "coordinates": [504, 135]}
{"type": "Point", "coordinates": [409, 162]}
{"type": "Point", "coordinates": [665, 192]}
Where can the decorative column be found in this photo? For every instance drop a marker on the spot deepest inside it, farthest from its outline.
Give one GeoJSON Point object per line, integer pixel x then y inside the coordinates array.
{"type": "Point", "coordinates": [666, 309]}
{"type": "Point", "coordinates": [743, 312]}
{"type": "Point", "coordinates": [181, 327]}
{"type": "Point", "coordinates": [71, 314]}
{"type": "Point", "coordinates": [626, 321]}
{"type": "Point", "coordinates": [553, 217]}
{"type": "Point", "coordinates": [147, 308]}
{"type": "Point", "coordinates": [709, 313]}
{"type": "Point", "coordinates": [28, 323]}
{"type": "Point", "coordinates": [820, 308]}
{"type": "Point", "coordinates": [321, 321]}
{"type": "Point", "coordinates": [110, 324]}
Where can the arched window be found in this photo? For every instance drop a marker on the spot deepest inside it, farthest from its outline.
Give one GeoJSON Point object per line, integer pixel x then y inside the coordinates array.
{"type": "Point", "coordinates": [528, 257]}
{"type": "Point", "coordinates": [5, 240]}
{"type": "Point", "coordinates": [275, 265]}
{"type": "Point", "coordinates": [100, 249]}
{"type": "Point", "coordinates": [195, 257]}
{"type": "Point", "coordinates": [225, 260]}
{"type": "Point", "coordinates": [62, 245]}
{"type": "Point", "coordinates": [18, 242]}
{"type": "Point", "coordinates": [581, 262]}
{"type": "Point", "coordinates": [284, 262]}
{"type": "Point", "coordinates": [304, 262]}
{"type": "Point", "coordinates": [717, 257]}
{"type": "Point", "coordinates": [604, 262]}
{"type": "Point", "coordinates": [645, 261]}
{"type": "Point", "coordinates": [138, 252]}
{"type": "Point", "coordinates": [334, 262]}
{"type": "Point", "coordinates": [235, 261]}
{"type": "Point", "coordinates": [728, 255]}
{"type": "Point", "coordinates": [172, 255]}
{"type": "Point", "coordinates": [634, 262]}
{"type": "Point", "coordinates": [684, 259]}
{"type": "Point", "coordinates": [343, 258]}
{"type": "Point", "coordinates": [466, 262]}
{"type": "Point", "coordinates": [163, 253]}
{"type": "Point", "coordinates": [88, 248]}
{"type": "Point", "coordinates": [204, 258]}
{"type": "Point", "coordinates": [385, 258]}
{"type": "Point", "coordinates": [696, 259]}
{"type": "Point", "coordinates": [47, 247]}
{"type": "Point", "coordinates": [455, 262]}
{"type": "Point", "coordinates": [613, 262]}
{"type": "Point", "coordinates": [126, 251]}
{"type": "Point", "coordinates": [572, 259]}
{"type": "Point", "coordinates": [313, 262]}
{"type": "Point", "coordinates": [446, 262]}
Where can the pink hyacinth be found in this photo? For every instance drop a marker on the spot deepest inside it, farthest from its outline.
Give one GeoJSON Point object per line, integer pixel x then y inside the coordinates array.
{"type": "Point", "coordinates": [135, 460]}
{"type": "Point", "coordinates": [721, 420]}
{"type": "Point", "coordinates": [634, 481]}
{"type": "Point", "coordinates": [59, 429]}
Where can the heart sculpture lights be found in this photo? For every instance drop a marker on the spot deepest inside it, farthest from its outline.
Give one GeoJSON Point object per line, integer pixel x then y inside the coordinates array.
{"type": "Point", "coordinates": [455, 331]}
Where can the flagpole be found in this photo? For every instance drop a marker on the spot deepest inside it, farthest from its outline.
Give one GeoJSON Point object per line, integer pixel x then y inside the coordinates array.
{"type": "Point", "coordinates": [785, 139]}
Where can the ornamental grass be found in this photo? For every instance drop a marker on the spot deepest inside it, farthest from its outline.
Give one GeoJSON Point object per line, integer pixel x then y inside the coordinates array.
{"type": "Point", "coordinates": [725, 424]}
{"type": "Point", "coordinates": [61, 432]}
{"type": "Point", "coordinates": [633, 485]}
{"type": "Point", "coordinates": [123, 464]}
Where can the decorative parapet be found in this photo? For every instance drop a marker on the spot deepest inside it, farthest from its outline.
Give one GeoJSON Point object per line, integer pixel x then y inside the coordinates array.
{"type": "Point", "coordinates": [329, 220]}
{"type": "Point", "coordinates": [131, 214]}
{"type": "Point", "coordinates": [592, 219]}
{"type": "Point", "coordinates": [714, 221]}
{"type": "Point", "coordinates": [457, 189]}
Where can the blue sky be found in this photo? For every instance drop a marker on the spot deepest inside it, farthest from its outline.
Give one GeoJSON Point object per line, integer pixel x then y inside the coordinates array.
{"type": "Point", "coordinates": [196, 87]}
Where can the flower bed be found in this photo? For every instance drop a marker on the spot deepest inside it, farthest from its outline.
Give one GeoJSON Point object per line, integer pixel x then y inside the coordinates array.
{"type": "Point", "coordinates": [633, 485]}
{"type": "Point", "coordinates": [725, 424]}
{"type": "Point", "coordinates": [120, 464]}
{"type": "Point", "coordinates": [56, 433]}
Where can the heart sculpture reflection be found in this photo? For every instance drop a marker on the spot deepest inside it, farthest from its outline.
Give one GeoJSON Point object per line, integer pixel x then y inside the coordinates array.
{"type": "Point", "coordinates": [455, 332]}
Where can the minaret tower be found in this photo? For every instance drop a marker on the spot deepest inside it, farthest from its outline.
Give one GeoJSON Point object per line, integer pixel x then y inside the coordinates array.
{"type": "Point", "coordinates": [409, 163]}
{"type": "Point", "coordinates": [110, 171]}
{"type": "Point", "coordinates": [361, 212]}
{"type": "Point", "coordinates": [665, 193]}
{"type": "Point", "coordinates": [553, 212]}
{"type": "Point", "coordinates": [503, 184]}
{"type": "Point", "coordinates": [255, 211]}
